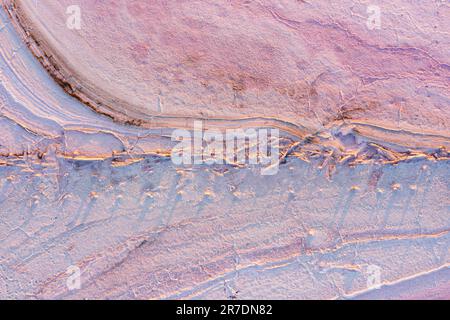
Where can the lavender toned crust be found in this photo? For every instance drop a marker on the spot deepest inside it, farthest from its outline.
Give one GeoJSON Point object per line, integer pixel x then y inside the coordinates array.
{"type": "Point", "coordinates": [93, 205]}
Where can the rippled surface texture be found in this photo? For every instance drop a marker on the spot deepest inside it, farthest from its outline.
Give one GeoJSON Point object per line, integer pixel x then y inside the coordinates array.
{"type": "Point", "coordinates": [359, 207]}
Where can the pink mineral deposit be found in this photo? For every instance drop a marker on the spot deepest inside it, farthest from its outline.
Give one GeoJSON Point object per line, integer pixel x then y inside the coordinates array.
{"type": "Point", "coordinates": [224, 149]}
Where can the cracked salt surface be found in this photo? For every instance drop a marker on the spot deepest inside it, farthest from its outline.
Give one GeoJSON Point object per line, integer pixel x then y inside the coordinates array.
{"type": "Point", "coordinates": [358, 209]}
{"type": "Point", "coordinates": [151, 230]}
